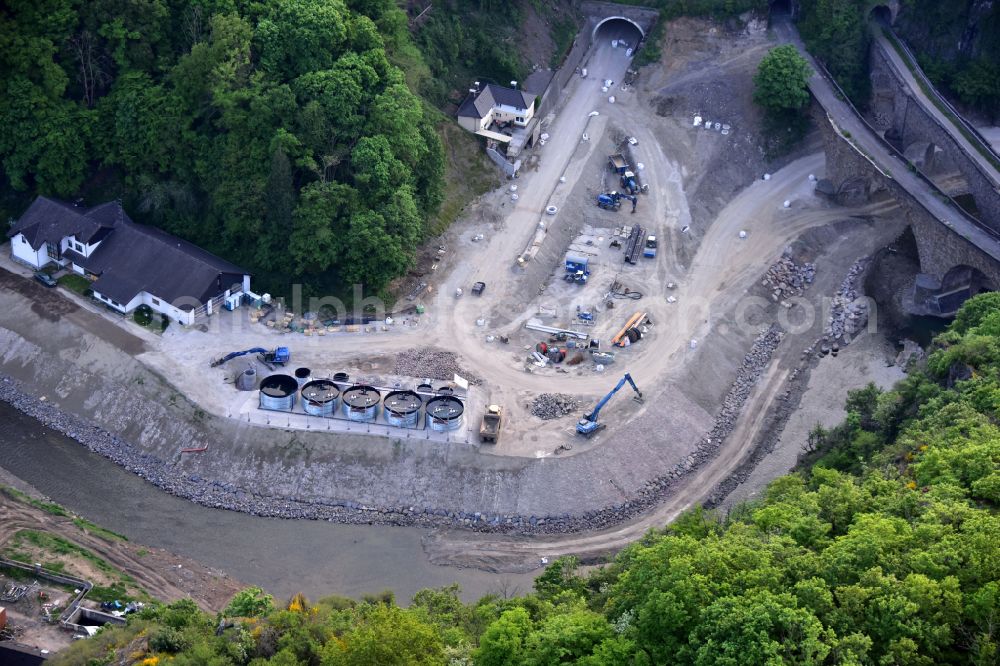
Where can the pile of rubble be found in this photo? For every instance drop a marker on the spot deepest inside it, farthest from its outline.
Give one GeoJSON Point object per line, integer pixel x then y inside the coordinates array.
{"type": "Point", "coordinates": [754, 363]}
{"type": "Point", "coordinates": [553, 405]}
{"type": "Point", "coordinates": [431, 363]}
{"type": "Point", "coordinates": [848, 315]}
{"type": "Point", "coordinates": [785, 278]}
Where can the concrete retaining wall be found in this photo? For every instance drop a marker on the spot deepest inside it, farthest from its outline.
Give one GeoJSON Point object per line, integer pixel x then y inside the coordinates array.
{"type": "Point", "coordinates": [550, 98]}
{"type": "Point", "coordinates": [84, 586]}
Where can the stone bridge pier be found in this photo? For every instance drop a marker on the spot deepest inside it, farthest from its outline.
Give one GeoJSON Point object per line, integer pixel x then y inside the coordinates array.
{"type": "Point", "coordinates": [953, 268]}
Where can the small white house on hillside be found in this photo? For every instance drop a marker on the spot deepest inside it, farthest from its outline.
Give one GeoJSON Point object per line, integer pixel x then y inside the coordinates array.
{"type": "Point", "coordinates": [128, 264]}
{"type": "Point", "coordinates": [496, 104]}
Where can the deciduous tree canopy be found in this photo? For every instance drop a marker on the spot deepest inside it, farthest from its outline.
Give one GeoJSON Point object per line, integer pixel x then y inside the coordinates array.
{"type": "Point", "coordinates": [277, 134]}
{"type": "Point", "coordinates": [781, 80]}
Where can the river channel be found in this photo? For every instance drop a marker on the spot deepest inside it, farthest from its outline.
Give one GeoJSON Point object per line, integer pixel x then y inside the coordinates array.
{"type": "Point", "coordinates": [281, 556]}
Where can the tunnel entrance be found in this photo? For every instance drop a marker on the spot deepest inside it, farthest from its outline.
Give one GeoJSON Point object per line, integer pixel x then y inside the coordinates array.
{"type": "Point", "coordinates": [882, 14]}
{"type": "Point", "coordinates": [780, 6]}
{"type": "Point", "coordinates": [621, 28]}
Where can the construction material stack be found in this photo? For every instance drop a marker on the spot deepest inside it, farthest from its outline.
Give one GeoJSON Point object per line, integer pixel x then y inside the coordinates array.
{"type": "Point", "coordinates": [634, 246]}
{"type": "Point", "coordinates": [630, 332]}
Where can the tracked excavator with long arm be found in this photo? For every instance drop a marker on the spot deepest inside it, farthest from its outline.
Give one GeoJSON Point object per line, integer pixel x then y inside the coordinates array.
{"type": "Point", "coordinates": [588, 425]}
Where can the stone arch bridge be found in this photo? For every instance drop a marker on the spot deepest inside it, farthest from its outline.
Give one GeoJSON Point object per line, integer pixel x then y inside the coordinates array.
{"type": "Point", "coordinates": [959, 254]}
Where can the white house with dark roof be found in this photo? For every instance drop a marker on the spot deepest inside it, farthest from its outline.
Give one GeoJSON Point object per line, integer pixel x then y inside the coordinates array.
{"type": "Point", "coordinates": [128, 264]}
{"type": "Point", "coordinates": [496, 104]}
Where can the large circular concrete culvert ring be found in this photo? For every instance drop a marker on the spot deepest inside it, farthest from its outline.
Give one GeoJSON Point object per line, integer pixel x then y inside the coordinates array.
{"type": "Point", "coordinates": [278, 393]}
{"type": "Point", "coordinates": [246, 380]}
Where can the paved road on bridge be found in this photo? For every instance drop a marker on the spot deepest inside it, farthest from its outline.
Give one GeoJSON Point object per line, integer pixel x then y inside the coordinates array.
{"type": "Point", "coordinates": [847, 120]}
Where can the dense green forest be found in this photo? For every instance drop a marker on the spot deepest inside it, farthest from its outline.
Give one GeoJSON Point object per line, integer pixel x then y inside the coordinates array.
{"type": "Point", "coordinates": [962, 59]}
{"type": "Point", "coordinates": [882, 551]}
{"type": "Point", "coordinates": [278, 134]}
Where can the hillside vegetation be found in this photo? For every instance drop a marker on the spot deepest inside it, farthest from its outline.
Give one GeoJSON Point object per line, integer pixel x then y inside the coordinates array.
{"type": "Point", "coordinates": [884, 551]}
{"type": "Point", "coordinates": [277, 134]}
{"type": "Point", "coordinates": [957, 43]}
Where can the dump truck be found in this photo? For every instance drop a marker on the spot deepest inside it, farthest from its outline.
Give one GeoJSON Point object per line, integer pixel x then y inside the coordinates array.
{"type": "Point", "coordinates": [618, 164]}
{"type": "Point", "coordinates": [489, 431]}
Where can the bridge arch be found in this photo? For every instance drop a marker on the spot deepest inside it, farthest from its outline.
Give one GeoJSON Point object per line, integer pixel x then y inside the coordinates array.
{"type": "Point", "coordinates": [642, 33]}
{"type": "Point", "coordinates": [963, 276]}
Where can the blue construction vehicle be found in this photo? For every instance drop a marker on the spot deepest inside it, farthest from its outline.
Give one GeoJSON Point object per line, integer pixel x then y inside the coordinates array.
{"type": "Point", "coordinates": [588, 425]}
{"type": "Point", "coordinates": [577, 268]}
{"type": "Point", "coordinates": [277, 356]}
{"type": "Point", "coordinates": [629, 183]}
{"type": "Point", "coordinates": [613, 200]}
{"type": "Point", "coordinates": [609, 201]}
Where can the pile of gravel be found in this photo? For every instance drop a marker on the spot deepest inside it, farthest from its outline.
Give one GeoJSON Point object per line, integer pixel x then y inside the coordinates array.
{"type": "Point", "coordinates": [848, 317]}
{"type": "Point", "coordinates": [431, 363]}
{"type": "Point", "coordinates": [785, 278]}
{"type": "Point", "coordinates": [549, 406]}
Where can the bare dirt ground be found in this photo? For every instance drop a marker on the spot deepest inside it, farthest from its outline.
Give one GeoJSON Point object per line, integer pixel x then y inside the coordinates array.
{"type": "Point", "coordinates": [704, 190]}
{"type": "Point", "coordinates": [163, 575]}
{"type": "Point", "coordinates": [867, 359]}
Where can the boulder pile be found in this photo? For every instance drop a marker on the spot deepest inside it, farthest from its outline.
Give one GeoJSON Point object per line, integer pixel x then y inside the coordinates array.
{"type": "Point", "coordinates": [549, 406]}
{"type": "Point", "coordinates": [848, 314]}
{"type": "Point", "coordinates": [786, 278]}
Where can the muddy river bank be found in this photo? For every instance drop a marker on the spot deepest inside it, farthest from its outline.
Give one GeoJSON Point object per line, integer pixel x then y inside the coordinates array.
{"type": "Point", "coordinates": [282, 556]}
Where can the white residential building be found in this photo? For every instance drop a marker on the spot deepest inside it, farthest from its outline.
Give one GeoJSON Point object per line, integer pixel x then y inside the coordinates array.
{"type": "Point", "coordinates": [128, 264]}
{"type": "Point", "coordinates": [496, 104]}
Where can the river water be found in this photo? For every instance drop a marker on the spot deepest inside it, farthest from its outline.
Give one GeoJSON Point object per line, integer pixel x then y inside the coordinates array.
{"type": "Point", "coordinates": [282, 556]}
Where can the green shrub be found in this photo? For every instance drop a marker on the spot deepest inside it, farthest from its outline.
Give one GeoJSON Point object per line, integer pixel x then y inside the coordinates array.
{"type": "Point", "coordinates": [143, 315]}
{"type": "Point", "coordinates": [167, 639]}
